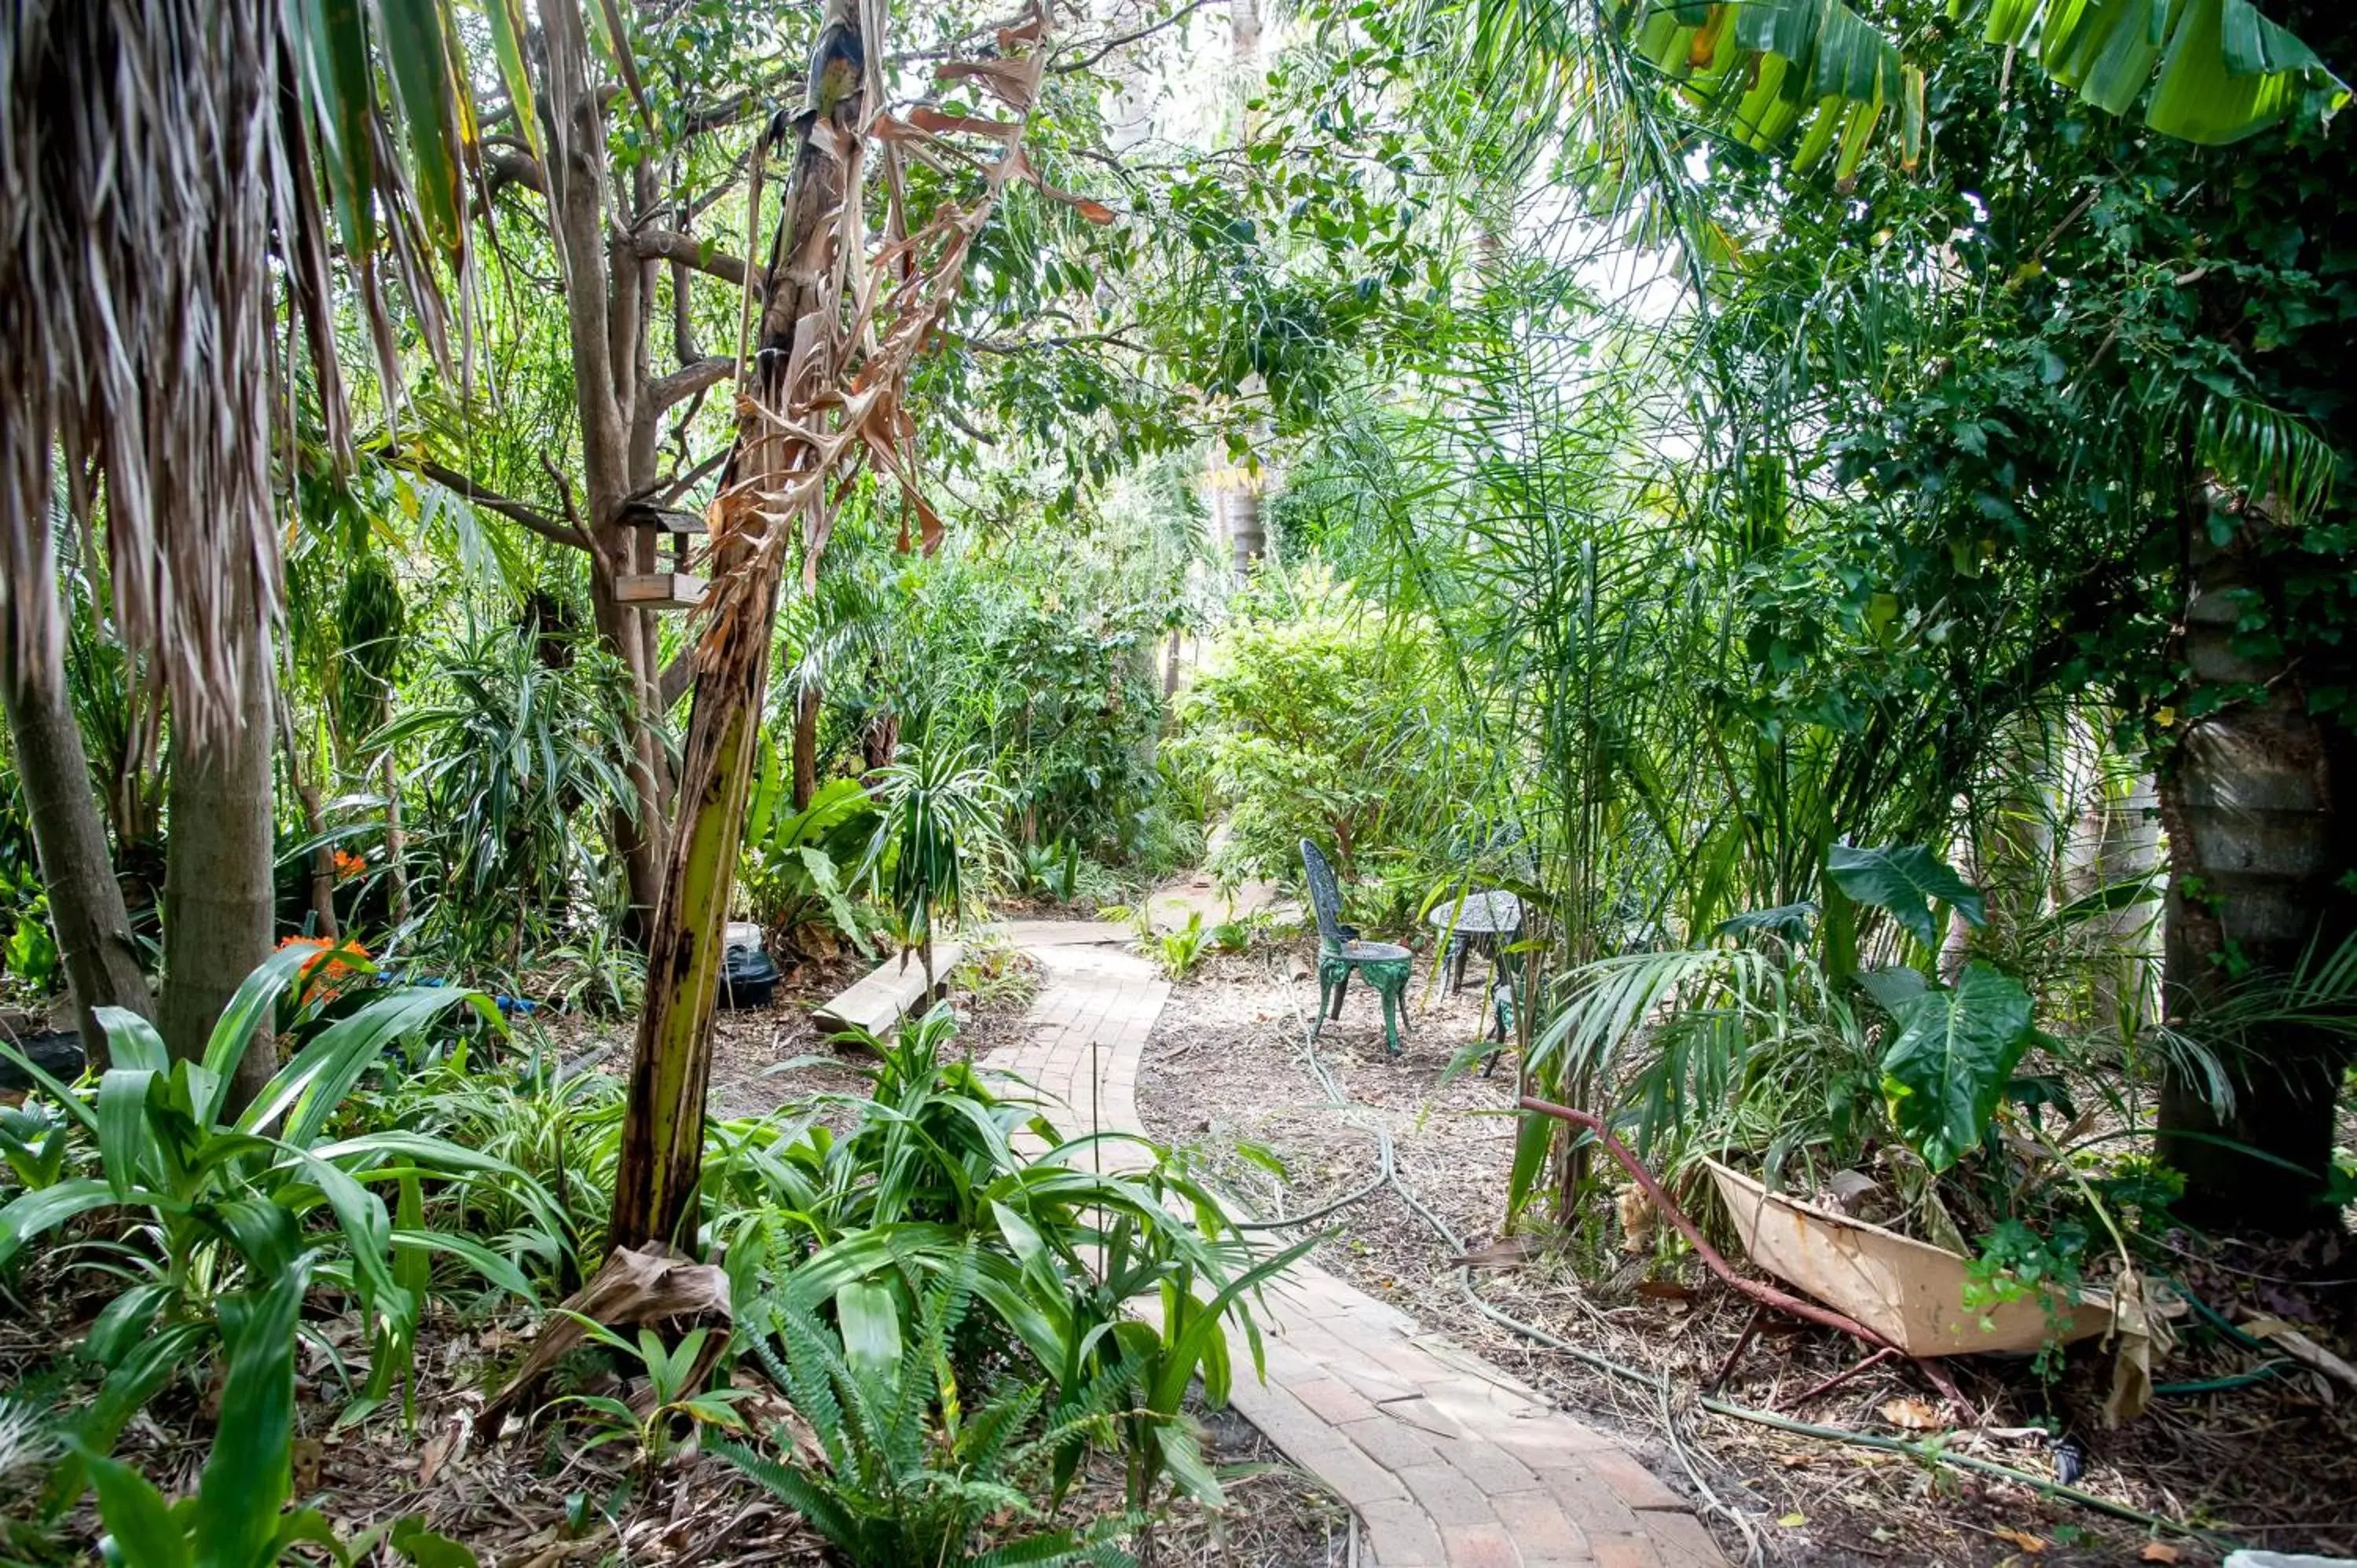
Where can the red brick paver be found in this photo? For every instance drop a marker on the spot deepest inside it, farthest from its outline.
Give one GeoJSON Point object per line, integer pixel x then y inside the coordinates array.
{"type": "Point", "coordinates": [1447, 1461]}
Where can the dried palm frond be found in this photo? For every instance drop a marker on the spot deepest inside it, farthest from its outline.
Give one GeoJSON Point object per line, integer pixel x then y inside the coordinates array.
{"type": "Point", "coordinates": [152, 152]}
{"type": "Point", "coordinates": [135, 298]}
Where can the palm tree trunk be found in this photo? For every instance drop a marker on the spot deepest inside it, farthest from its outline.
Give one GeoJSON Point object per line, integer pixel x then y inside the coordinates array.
{"type": "Point", "coordinates": [2256, 801]}
{"type": "Point", "coordinates": [86, 908]}
{"type": "Point", "coordinates": [217, 878]}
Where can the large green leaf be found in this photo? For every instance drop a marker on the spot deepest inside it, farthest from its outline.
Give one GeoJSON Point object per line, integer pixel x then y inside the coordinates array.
{"type": "Point", "coordinates": [249, 1475]}
{"type": "Point", "coordinates": [1907, 881]}
{"type": "Point", "coordinates": [139, 1524]}
{"type": "Point", "coordinates": [124, 1141]}
{"type": "Point", "coordinates": [2226, 72]}
{"type": "Point", "coordinates": [311, 1086]}
{"type": "Point", "coordinates": [250, 1010]}
{"type": "Point", "coordinates": [432, 108]}
{"type": "Point", "coordinates": [1956, 1051]}
{"type": "Point", "coordinates": [339, 87]}
{"type": "Point", "coordinates": [508, 43]}
{"type": "Point", "coordinates": [870, 1319]}
{"type": "Point", "coordinates": [37, 1212]}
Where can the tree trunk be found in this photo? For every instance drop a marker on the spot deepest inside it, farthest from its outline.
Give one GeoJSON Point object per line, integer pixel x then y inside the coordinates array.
{"type": "Point", "coordinates": [807, 705]}
{"type": "Point", "coordinates": [1245, 536]}
{"type": "Point", "coordinates": [2256, 802]}
{"type": "Point", "coordinates": [315, 822]}
{"type": "Point", "coordinates": [86, 908]}
{"type": "Point", "coordinates": [662, 1131]}
{"type": "Point", "coordinates": [217, 879]}
{"type": "Point", "coordinates": [604, 305]}
{"type": "Point", "coordinates": [880, 743]}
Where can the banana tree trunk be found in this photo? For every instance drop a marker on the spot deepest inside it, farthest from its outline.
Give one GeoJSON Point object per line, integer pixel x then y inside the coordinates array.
{"type": "Point", "coordinates": [217, 877]}
{"type": "Point", "coordinates": [2256, 801]}
{"type": "Point", "coordinates": [663, 1129]}
{"type": "Point", "coordinates": [830, 385]}
{"type": "Point", "coordinates": [86, 908]}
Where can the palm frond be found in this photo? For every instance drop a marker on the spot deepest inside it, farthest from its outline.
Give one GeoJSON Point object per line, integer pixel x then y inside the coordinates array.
{"type": "Point", "coordinates": [2277, 459]}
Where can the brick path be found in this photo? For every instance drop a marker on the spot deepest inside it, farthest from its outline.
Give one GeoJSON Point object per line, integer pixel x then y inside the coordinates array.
{"type": "Point", "coordinates": [1447, 1461]}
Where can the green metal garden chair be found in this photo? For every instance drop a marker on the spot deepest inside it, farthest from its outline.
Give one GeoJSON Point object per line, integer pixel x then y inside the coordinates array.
{"type": "Point", "coordinates": [1386, 965]}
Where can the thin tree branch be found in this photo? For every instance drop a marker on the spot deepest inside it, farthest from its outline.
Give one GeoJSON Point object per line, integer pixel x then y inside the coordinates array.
{"type": "Point", "coordinates": [681, 384]}
{"type": "Point", "coordinates": [676, 678]}
{"type": "Point", "coordinates": [505, 165]}
{"type": "Point", "coordinates": [1069, 340]}
{"type": "Point", "coordinates": [532, 518]}
{"type": "Point", "coordinates": [687, 482]}
{"type": "Point", "coordinates": [670, 245]}
{"type": "Point", "coordinates": [1116, 42]}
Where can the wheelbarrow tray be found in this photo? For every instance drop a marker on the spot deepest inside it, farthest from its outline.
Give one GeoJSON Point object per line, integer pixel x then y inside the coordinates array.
{"type": "Point", "coordinates": [1909, 1292]}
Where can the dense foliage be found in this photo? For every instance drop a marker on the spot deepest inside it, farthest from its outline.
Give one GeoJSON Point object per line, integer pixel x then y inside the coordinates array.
{"type": "Point", "coordinates": [1843, 510]}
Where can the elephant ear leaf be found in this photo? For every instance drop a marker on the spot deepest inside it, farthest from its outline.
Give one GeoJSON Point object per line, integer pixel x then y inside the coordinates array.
{"type": "Point", "coordinates": [1907, 881]}
{"type": "Point", "coordinates": [1955, 1052]}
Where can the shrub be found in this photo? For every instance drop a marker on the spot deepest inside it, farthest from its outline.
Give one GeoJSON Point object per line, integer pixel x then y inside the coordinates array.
{"type": "Point", "coordinates": [1332, 726]}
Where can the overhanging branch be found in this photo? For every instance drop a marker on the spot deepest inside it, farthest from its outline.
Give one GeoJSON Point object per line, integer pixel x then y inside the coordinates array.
{"type": "Point", "coordinates": [530, 517]}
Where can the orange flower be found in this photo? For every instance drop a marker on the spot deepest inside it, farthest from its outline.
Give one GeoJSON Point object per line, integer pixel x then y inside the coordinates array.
{"type": "Point", "coordinates": [349, 865]}
{"type": "Point", "coordinates": [320, 972]}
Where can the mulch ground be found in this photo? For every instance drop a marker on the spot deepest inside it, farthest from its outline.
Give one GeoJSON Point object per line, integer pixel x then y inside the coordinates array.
{"type": "Point", "coordinates": [2274, 1465]}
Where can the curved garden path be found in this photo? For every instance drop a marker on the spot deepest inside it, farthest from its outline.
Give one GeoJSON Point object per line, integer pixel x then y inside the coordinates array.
{"type": "Point", "coordinates": [1447, 1461]}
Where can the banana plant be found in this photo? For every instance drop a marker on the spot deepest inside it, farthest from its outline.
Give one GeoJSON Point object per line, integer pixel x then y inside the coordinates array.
{"type": "Point", "coordinates": [207, 1200]}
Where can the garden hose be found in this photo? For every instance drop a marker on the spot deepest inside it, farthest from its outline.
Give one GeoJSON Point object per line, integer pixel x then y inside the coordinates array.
{"type": "Point", "coordinates": [2277, 1367]}
{"type": "Point", "coordinates": [1925, 1453]}
{"type": "Point", "coordinates": [2258, 1374]}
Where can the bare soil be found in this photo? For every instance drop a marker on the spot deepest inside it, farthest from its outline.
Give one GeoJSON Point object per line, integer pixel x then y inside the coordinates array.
{"type": "Point", "coordinates": [2274, 1465]}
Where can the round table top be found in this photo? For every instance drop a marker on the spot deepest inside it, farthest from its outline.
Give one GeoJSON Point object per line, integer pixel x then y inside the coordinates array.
{"type": "Point", "coordinates": [1478, 914]}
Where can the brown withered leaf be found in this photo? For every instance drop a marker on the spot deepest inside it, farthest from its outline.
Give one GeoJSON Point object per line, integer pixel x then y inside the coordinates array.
{"type": "Point", "coordinates": [1911, 1415]}
{"type": "Point", "coordinates": [2142, 1336]}
{"type": "Point", "coordinates": [650, 1285]}
{"type": "Point", "coordinates": [2159, 1552]}
{"type": "Point", "coordinates": [2027, 1544]}
{"type": "Point", "coordinates": [307, 1454]}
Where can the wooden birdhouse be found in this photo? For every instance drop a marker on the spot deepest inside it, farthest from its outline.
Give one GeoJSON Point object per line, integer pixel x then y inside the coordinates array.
{"type": "Point", "coordinates": [677, 589]}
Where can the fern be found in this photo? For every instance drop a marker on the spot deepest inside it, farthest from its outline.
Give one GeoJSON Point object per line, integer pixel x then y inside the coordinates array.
{"type": "Point", "coordinates": [907, 1479]}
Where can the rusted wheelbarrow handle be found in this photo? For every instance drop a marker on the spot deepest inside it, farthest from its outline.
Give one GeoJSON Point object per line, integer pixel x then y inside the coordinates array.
{"type": "Point", "coordinates": [1764, 1293]}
